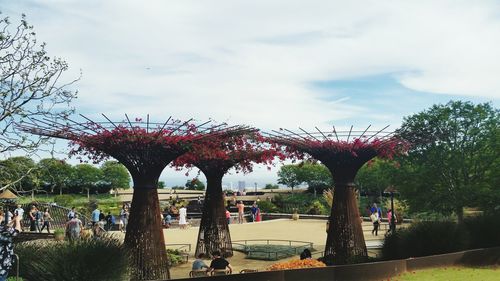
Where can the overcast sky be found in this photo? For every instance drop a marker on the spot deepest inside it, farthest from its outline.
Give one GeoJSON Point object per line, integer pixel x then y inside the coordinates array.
{"type": "Point", "coordinates": [271, 64]}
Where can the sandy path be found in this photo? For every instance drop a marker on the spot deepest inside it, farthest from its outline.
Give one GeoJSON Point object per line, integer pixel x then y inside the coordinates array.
{"type": "Point", "coordinates": [301, 230]}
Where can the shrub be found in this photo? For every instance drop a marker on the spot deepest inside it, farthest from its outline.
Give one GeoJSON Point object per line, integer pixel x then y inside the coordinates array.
{"type": "Point", "coordinates": [174, 257]}
{"type": "Point", "coordinates": [85, 259]}
{"type": "Point", "coordinates": [484, 231]}
{"type": "Point", "coordinates": [425, 238]}
{"type": "Point", "coordinates": [307, 263]}
{"type": "Point", "coordinates": [317, 208]}
{"type": "Point", "coordinates": [267, 207]}
{"type": "Point", "coordinates": [64, 200]}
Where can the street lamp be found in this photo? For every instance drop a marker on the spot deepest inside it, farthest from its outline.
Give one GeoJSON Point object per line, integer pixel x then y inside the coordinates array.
{"type": "Point", "coordinates": [255, 188]}
{"type": "Point", "coordinates": [7, 198]}
{"type": "Point", "coordinates": [391, 190]}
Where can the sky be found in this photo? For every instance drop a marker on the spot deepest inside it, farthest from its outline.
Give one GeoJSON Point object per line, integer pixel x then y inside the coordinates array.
{"type": "Point", "coordinates": [270, 64]}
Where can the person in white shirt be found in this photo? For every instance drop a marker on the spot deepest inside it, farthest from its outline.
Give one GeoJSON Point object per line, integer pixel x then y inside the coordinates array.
{"type": "Point", "coordinates": [376, 221]}
{"type": "Point", "coordinates": [182, 217]}
{"type": "Point", "coordinates": [20, 213]}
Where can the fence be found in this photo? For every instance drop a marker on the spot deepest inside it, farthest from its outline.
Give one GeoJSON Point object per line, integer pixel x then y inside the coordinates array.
{"type": "Point", "coordinates": [270, 249]}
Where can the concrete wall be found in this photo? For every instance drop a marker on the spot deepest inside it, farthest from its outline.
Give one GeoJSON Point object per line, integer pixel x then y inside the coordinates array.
{"type": "Point", "coordinates": [368, 271]}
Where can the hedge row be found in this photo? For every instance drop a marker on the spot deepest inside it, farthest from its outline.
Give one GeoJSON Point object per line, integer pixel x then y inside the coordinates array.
{"type": "Point", "coordinates": [433, 237]}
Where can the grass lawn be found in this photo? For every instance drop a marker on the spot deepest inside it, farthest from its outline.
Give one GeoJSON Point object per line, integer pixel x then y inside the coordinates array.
{"type": "Point", "coordinates": [451, 274]}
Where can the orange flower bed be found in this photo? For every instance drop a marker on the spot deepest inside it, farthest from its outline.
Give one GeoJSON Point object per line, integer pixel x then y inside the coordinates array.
{"type": "Point", "coordinates": [296, 264]}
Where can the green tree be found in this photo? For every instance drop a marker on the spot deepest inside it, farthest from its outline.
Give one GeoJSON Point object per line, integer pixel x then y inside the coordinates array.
{"type": "Point", "coordinates": [271, 186]}
{"type": "Point", "coordinates": [29, 85]}
{"type": "Point", "coordinates": [289, 176]}
{"type": "Point", "coordinates": [18, 173]}
{"type": "Point", "coordinates": [115, 174]}
{"type": "Point", "coordinates": [316, 175]}
{"type": "Point", "coordinates": [195, 184]}
{"type": "Point", "coordinates": [453, 158]}
{"type": "Point", "coordinates": [54, 174]}
{"type": "Point", "coordinates": [161, 184]}
{"type": "Point", "coordinates": [85, 177]}
{"type": "Point", "coordinates": [375, 176]}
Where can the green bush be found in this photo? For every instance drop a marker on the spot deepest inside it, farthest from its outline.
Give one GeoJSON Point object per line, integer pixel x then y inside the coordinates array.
{"type": "Point", "coordinates": [318, 208]}
{"type": "Point", "coordinates": [267, 207]}
{"type": "Point", "coordinates": [425, 238]}
{"type": "Point", "coordinates": [85, 259]}
{"type": "Point", "coordinates": [484, 231]}
{"type": "Point", "coordinates": [64, 200]}
{"type": "Point", "coordinates": [438, 237]}
{"type": "Point", "coordinates": [303, 202]}
{"type": "Point", "coordinates": [174, 257]}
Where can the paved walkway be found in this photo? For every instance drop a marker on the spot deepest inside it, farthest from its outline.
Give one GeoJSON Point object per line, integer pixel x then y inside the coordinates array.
{"type": "Point", "coordinates": [284, 229]}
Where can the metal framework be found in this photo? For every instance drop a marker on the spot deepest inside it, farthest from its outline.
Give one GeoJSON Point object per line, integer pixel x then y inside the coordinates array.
{"type": "Point", "coordinates": [145, 160]}
{"type": "Point", "coordinates": [214, 230]}
{"type": "Point", "coordinates": [343, 153]}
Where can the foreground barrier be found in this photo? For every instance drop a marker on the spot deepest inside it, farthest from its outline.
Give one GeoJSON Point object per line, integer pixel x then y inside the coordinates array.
{"type": "Point", "coordinates": [369, 271]}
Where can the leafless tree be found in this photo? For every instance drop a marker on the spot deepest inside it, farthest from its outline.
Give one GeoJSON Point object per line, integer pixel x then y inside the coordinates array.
{"type": "Point", "coordinates": [30, 86]}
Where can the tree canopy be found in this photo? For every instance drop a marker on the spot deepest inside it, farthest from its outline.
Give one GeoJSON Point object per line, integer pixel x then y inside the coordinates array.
{"type": "Point", "coordinates": [18, 173]}
{"type": "Point", "coordinates": [315, 175]}
{"type": "Point", "coordinates": [54, 174]}
{"type": "Point", "coordinates": [454, 158]}
{"type": "Point", "coordinates": [115, 174]}
{"type": "Point", "coordinates": [195, 184]}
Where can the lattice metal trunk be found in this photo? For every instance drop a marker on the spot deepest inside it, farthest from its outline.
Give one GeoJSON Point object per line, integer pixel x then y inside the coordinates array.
{"type": "Point", "coordinates": [214, 231]}
{"type": "Point", "coordinates": [144, 237]}
{"type": "Point", "coordinates": [345, 241]}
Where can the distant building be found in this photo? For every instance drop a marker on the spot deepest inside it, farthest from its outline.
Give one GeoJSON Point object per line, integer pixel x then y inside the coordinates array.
{"type": "Point", "coordinates": [241, 185]}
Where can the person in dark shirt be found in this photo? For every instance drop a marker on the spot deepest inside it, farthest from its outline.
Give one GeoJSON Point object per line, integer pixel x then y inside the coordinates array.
{"type": "Point", "coordinates": [219, 263]}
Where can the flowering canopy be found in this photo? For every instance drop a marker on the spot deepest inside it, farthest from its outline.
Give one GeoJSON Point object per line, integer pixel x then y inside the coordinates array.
{"type": "Point", "coordinates": [144, 148]}
{"type": "Point", "coordinates": [342, 157]}
{"type": "Point", "coordinates": [227, 151]}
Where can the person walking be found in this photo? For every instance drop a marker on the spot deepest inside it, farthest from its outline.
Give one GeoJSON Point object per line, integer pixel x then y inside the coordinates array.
{"type": "Point", "coordinates": [124, 217]}
{"type": "Point", "coordinates": [38, 220]}
{"type": "Point", "coordinates": [32, 217]}
{"type": "Point", "coordinates": [74, 228]}
{"type": "Point", "coordinates": [7, 233]}
{"type": "Point", "coordinates": [95, 215]}
{"type": "Point", "coordinates": [46, 220]}
{"type": "Point", "coordinates": [71, 213]}
{"type": "Point", "coordinates": [241, 211]}
{"type": "Point", "coordinates": [253, 209]}
{"type": "Point", "coordinates": [182, 217]}
{"type": "Point", "coordinates": [376, 221]}
{"type": "Point", "coordinates": [220, 263]}
{"type": "Point", "coordinates": [110, 221]}
{"type": "Point", "coordinates": [228, 216]}
{"type": "Point", "coordinates": [258, 217]}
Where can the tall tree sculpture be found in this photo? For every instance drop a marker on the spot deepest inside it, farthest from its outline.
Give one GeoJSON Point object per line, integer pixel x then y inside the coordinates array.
{"type": "Point", "coordinates": [145, 149]}
{"type": "Point", "coordinates": [343, 157]}
{"type": "Point", "coordinates": [214, 157]}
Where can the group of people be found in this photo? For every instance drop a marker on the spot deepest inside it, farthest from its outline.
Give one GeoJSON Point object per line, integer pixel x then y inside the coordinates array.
{"type": "Point", "coordinates": [38, 220]}
{"type": "Point", "coordinates": [376, 217]}
{"type": "Point", "coordinates": [218, 263]}
{"type": "Point", "coordinates": [100, 222]}
{"type": "Point", "coordinates": [171, 213]}
{"type": "Point", "coordinates": [254, 211]}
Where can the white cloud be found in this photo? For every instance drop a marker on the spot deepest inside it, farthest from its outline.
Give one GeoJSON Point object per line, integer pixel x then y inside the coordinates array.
{"type": "Point", "coordinates": [252, 62]}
